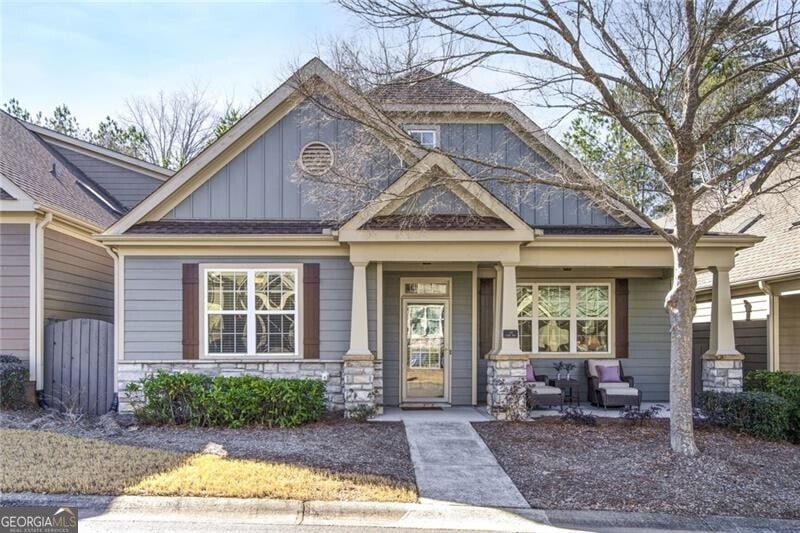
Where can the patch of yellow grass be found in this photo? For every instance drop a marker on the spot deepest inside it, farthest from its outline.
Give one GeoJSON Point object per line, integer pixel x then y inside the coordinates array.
{"type": "Point", "coordinates": [49, 462]}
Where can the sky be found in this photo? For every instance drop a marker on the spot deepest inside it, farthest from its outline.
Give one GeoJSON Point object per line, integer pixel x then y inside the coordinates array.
{"type": "Point", "coordinates": [95, 56]}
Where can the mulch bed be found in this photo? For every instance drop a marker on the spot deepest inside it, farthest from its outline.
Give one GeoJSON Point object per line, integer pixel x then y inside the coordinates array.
{"type": "Point", "coordinates": [617, 466]}
{"type": "Point", "coordinates": [333, 444]}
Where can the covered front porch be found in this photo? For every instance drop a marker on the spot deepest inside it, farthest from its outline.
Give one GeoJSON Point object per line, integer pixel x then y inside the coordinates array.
{"type": "Point", "coordinates": [439, 323]}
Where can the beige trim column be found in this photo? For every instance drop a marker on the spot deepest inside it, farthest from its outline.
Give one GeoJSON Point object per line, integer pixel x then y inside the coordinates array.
{"type": "Point", "coordinates": [509, 346]}
{"type": "Point", "coordinates": [359, 317]}
{"type": "Point", "coordinates": [722, 339]}
{"type": "Point", "coordinates": [497, 318]}
{"type": "Point", "coordinates": [722, 363]}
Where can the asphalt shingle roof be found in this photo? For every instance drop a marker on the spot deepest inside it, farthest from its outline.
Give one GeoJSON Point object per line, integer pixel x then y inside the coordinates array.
{"type": "Point", "coordinates": [231, 227]}
{"type": "Point", "coordinates": [4, 195]}
{"type": "Point", "coordinates": [772, 217]}
{"type": "Point", "coordinates": [425, 87]}
{"type": "Point", "coordinates": [47, 178]}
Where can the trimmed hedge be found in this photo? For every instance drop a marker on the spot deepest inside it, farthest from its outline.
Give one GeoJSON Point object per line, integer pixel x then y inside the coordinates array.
{"type": "Point", "coordinates": [13, 375]}
{"type": "Point", "coordinates": [761, 414]}
{"type": "Point", "coordinates": [236, 401]}
{"type": "Point", "coordinates": [784, 384]}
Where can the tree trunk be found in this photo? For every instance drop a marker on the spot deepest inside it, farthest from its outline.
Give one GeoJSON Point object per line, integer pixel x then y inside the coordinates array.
{"type": "Point", "coordinates": [681, 307]}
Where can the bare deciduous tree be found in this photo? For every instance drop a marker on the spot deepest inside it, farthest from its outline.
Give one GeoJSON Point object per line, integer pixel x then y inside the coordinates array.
{"type": "Point", "coordinates": [708, 92]}
{"type": "Point", "coordinates": [176, 126]}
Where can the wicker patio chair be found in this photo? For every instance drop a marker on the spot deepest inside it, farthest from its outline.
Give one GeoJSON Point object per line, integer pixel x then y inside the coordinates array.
{"type": "Point", "coordinates": [614, 394]}
{"type": "Point", "coordinates": [539, 393]}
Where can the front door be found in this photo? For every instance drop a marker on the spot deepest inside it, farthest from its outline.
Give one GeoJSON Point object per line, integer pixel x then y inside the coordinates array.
{"type": "Point", "coordinates": [426, 353]}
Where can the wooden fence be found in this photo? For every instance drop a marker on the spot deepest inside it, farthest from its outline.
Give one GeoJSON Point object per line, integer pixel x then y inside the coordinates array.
{"type": "Point", "coordinates": [751, 341]}
{"type": "Point", "coordinates": [79, 365]}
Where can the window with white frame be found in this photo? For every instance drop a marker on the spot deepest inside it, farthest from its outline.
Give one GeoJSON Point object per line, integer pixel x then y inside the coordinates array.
{"type": "Point", "coordinates": [251, 311]}
{"type": "Point", "coordinates": [564, 317]}
{"type": "Point", "coordinates": [426, 138]}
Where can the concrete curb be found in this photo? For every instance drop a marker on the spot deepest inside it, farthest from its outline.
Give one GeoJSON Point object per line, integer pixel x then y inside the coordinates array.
{"type": "Point", "coordinates": [430, 515]}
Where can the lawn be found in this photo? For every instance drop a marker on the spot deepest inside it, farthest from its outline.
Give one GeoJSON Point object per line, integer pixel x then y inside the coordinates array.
{"type": "Point", "coordinates": [43, 461]}
{"type": "Point", "coordinates": [616, 466]}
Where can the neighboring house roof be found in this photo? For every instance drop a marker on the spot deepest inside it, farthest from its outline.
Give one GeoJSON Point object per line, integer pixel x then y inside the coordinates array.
{"type": "Point", "coordinates": [424, 87]}
{"type": "Point", "coordinates": [100, 152]}
{"type": "Point", "coordinates": [232, 227]}
{"type": "Point", "coordinates": [49, 180]}
{"type": "Point", "coordinates": [776, 217]}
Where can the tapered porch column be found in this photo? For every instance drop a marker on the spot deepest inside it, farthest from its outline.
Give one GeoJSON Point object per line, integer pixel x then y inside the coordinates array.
{"type": "Point", "coordinates": [358, 364]}
{"type": "Point", "coordinates": [509, 336]}
{"type": "Point", "coordinates": [359, 320]}
{"type": "Point", "coordinates": [505, 394]}
{"type": "Point", "coordinates": [722, 363]}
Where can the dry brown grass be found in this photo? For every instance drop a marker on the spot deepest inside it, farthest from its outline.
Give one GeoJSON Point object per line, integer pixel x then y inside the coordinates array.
{"type": "Point", "coordinates": [49, 462]}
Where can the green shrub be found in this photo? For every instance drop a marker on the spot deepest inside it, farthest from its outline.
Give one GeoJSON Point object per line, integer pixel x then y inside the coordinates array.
{"type": "Point", "coordinates": [784, 384]}
{"type": "Point", "coordinates": [13, 375]}
{"type": "Point", "coordinates": [761, 414]}
{"type": "Point", "coordinates": [233, 402]}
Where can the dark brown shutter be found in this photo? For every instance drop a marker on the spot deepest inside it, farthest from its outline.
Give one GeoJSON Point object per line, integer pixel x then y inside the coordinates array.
{"type": "Point", "coordinates": [191, 311]}
{"type": "Point", "coordinates": [310, 311]}
{"type": "Point", "coordinates": [485, 316]}
{"type": "Point", "coordinates": [621, 317]}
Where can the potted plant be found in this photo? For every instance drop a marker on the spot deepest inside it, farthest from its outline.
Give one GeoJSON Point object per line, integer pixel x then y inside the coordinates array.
{"type": "Point", "coordinates": [559, 366]}
{"type": "Point", "coordinates": [569, 367]}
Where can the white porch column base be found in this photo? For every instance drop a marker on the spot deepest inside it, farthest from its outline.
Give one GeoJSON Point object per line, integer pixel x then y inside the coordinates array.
{"type": "Point", "coordinates": [505, 385]}
{"type": "Point", "coordinates": [722, 363]}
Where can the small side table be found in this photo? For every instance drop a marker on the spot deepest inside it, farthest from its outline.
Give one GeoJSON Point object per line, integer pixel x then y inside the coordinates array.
{"type": "Point", "coordinates": [571, 388]}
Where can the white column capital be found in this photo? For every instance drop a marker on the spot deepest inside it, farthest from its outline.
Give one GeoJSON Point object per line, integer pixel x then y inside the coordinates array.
{"type": "Point", "coordinates": [359, 264]}
{"type": "Point", "coordinates": [719, 269]}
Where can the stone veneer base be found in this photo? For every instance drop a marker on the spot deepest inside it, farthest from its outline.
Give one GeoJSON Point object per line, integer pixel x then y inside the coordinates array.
{"type": "Point", "coordinates": [723, 373]}
{"type": "Point", "coordinates": [502, 373]}
{"type": "Point", "coordinates": [313, 369]}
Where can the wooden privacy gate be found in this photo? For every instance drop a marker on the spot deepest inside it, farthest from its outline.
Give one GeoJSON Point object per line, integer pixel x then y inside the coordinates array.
{"type": "Point", "coordinates": [79, 365]}
{"type": "Point", "coordinates": [751, 341]}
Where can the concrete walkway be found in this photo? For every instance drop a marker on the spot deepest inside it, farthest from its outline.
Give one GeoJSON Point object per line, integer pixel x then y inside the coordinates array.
{"type": "Point", "coordinates": [453, 464]}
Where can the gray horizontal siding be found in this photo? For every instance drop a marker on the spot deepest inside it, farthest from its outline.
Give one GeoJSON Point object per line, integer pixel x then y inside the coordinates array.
{"type": "Point", "coordinates": [15, 289]}
{"type": "Point", "coordinates": [127, 186]}
{"type": "Point", "coordinates": [538, 205]}
{"type": "Point", "coordinates": [153, 303]}
{"type": "Point", "coordinates": [648, 342]}
{"type": "Point", "coordinates": [461, 343]}
{"type": "Point", "coordinates": [78, 279]}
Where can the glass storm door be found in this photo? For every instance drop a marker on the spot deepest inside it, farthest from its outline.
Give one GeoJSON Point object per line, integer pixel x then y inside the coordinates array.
{"type": "Point", "coordinates": [426, 351]}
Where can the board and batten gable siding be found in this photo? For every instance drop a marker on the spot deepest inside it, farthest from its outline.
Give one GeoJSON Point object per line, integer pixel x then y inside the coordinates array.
{"type": "Point", "coordinates": [15, 289]}
{"type": "Point", "coordinates": [127, 186]}
{"type": "Point", "coordinates": [78, 279]}
{"type": "Point", "coordinates": [542, 206]}
{"type": "Point", "coordinates": [648, 343]}
{"type": "Point", "coordinates": [153, 324]}
{"type": "Point", "coordinates": [259, 183]}
{"type": "Point", "coordinates": [460, 342]}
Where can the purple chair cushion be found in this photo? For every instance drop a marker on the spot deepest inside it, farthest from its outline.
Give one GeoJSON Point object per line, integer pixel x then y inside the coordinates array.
{"type": "Point", "coordinates": [529, 375]}
{"type": "Point", "coordinates": [608, 374]}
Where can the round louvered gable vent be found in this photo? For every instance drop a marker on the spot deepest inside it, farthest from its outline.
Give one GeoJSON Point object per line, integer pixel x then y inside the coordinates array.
{"type": "Point", "coordinates": [316, 158]}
